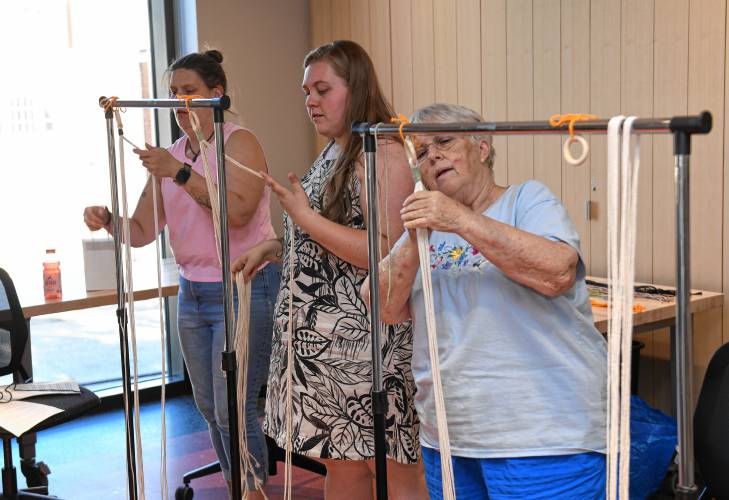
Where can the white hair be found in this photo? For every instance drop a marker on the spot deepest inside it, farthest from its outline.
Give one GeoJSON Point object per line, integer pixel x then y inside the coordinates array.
{"type": "Point", "coordinates": [441, 112]}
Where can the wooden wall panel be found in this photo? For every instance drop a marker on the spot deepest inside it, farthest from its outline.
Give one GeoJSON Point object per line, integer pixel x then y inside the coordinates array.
{"type": "Point", "coordinates": [341, 20]}
{"type": "Point", "coordinates": [605, 102]}
{"type": "Point", "coordinates": [402, 56]}
{"type": "Point", "coordinates": [423, 53]}
{"type": "Point", "coordinates": [520, 80]}
{"type": "Point", "coordinates": [493, 77]}
{"type": "Point", "coordinates": [446, 50]}
{"type": "Point", "coordinates": [707, 32]}
{"type": "Point", "coordinates": [636, 98]}
{"type": "Point", "coordinates": [380, 43]}
{"type": "Point", "coordinates": [576, 99]}
{"type": "Point", "coordinates": [321, 21]}
{"type": "Point", "coordinates": [468, 55]}
{"type": "Point", "coordinates": [359, 22]}
{"type": "Point", "coordinates": [670, 97]}
{"type": "Point", "coordinates": [547, 95]}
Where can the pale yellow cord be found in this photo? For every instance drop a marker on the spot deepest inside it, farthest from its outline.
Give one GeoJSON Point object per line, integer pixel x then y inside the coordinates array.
{"type": "Point", "coordinates": [448, 483]}
{"type": "Point", "coordinates": [289, 370]}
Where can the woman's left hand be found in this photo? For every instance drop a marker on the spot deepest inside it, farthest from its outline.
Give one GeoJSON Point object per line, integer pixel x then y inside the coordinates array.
{"type": "Point", "coordinates": [158, 161]}
{"type": "Point", "coordinates": [433, 210]}
{"type": "Point", "coordinates": [294, 200]}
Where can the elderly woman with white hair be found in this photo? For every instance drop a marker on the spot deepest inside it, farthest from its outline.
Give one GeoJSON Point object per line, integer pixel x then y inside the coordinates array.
{"type": "Point", "coordinates": [522, 365]}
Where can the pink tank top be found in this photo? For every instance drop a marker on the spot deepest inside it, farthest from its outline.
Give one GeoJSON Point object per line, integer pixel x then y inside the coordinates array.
{"type": "Point", "coordinates": [192, 235]}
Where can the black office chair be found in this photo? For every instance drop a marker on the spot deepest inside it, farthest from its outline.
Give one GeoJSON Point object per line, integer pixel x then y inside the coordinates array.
{"type": "Point", "coordinates": [711, 426]}
{"type": "Point", "coordinates": [13, 340]}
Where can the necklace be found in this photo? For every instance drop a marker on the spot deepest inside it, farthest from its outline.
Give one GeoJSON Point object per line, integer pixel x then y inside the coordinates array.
{"type": "Point", "coordinates": [188, 147]}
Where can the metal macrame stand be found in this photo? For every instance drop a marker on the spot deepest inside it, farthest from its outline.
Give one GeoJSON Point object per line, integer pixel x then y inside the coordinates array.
{"type": "Point", "coordinates": [682, 128]}
{"type": "Point", "coordinates": [219, 105]}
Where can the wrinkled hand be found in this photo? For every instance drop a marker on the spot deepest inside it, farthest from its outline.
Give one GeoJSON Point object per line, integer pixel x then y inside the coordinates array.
{"type": "Point", "coordinates": [249, 262]}
{"type": "Point", "coordinates": [432, 210]}
{"type": "Point", "coordinates": [96, 217]}
{"type": "Point", "coordinates": [158, 161]}
{"type": "Point", "coordinates": [294, 200]}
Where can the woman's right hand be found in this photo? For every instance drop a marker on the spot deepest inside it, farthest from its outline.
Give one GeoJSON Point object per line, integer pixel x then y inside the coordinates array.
{"type": "Point", "coordinates": [97, 217]}
{"type": "Point", "coordinates": [249, 262]}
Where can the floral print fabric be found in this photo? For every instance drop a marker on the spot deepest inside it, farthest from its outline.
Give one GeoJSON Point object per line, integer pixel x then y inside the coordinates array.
{"type": "Point", "coordinates": [332, 366]}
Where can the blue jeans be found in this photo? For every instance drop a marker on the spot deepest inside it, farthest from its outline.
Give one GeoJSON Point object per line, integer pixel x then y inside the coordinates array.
{"type": "Point", "coordinates": [202, 337]}
{"type": "Point", "coordinates": [578, 477]}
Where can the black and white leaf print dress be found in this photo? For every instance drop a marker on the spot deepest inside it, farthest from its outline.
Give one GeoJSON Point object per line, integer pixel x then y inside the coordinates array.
{"type": "Point", "coordinates": [332, 404]}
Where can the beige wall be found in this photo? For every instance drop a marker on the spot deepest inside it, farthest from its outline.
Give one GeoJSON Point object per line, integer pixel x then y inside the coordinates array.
{"type": "Point", "coordinates": [263, 43]}
{"type": "Point", "coordinates": [528, 59]}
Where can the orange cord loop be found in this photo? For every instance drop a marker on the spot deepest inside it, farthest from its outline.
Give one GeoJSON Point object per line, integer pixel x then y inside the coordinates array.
{"type": "Point", "coordinates": [402, 120]}
{"type": "Point", "coordinates": [188, 98]}
{"type": "Point", "coordinates": [570, 119]}
{"type": "Point", "coordinates": [109, 103]}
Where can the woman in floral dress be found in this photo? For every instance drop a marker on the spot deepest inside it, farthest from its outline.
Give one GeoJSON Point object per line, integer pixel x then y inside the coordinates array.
{"type": "Point", "coordinates": [332, 366]}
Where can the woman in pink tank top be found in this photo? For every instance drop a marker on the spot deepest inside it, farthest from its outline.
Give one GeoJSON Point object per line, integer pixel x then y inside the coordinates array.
{"type": "Point", "coordinates": [185, 209]}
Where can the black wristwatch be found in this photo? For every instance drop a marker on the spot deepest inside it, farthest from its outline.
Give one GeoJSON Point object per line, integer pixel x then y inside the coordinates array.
{"type": "Point", "coordinates": [183, 174]}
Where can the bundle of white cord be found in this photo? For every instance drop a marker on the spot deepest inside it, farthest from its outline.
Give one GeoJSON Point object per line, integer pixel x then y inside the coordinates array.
{"type": "Point", "coordinates": [623, 166]}
{"type": "Point", "coordinates": [241, 346]}
{"type": "Point", "coordinates": [449, 492]}
{"type": "Point", "coordinates": [129, 301]}
{"type": "Point", "coordinates": [242, 330]}
{"type": "Point", "coordinates": [242, 326]}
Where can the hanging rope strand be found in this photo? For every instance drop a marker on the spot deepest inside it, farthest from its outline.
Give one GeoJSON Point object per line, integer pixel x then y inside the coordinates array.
{"type": "Point", "coordinates": [630, 171]}
{"type": "Point", "coordinates": [240, 341]}
{"type": "Point", "coordinates": [623, 171]}
{"type": "Point", "coordinates": [449, 492]}
{"type": "Point", "coordinates": [613, 407]}
{"type": "Point", "coordinates": [289, 370]}
{"type": "Point", "coordinates": [164, 487]}
{"type": "Point", "coordinates": [129, 299]}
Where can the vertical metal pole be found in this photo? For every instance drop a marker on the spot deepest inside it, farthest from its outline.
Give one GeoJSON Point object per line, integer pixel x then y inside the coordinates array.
{"type": "Point", "coordinates": [379, 396]}
{"type": "Point", "coordinates": [228, 356]}
{"type": "Point", "coordinates": [121, 315]}
{"type": "Point", "coordinates": [684, 340]}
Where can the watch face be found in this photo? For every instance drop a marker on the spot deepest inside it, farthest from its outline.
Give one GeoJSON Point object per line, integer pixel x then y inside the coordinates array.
{"type": "Point", "coordinates": [183, 174]}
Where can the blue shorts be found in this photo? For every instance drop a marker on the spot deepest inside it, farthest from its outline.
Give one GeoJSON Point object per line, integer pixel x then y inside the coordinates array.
{"type": "Point", "coordinates": [579, 477]}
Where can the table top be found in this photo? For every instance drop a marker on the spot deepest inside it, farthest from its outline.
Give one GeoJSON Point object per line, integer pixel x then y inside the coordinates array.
{"type": "Point", "coordinates": [76, 297]}
{"type": "Point", "coordinates": [656, 311]}
{"type": "Point", "coordinates": [145, 284]}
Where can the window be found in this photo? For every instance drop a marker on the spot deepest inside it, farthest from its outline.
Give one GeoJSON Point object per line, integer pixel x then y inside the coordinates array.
{"type": "Point", "coordinates": [60, 57]}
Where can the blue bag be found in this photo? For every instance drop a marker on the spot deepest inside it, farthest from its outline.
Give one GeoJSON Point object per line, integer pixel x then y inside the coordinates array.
{"type": "Point", "coordinates": [652, 444]}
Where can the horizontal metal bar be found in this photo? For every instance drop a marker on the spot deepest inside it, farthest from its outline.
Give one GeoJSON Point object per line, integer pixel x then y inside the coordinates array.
{"type": "Point", "coordinates": [217, 102]}
{"type": "Point", "coordinates": [696, 124]}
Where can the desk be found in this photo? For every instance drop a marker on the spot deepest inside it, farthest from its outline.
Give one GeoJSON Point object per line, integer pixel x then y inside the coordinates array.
{"type": "Point", "coordinates": [658, 314]}
{"type": "Point", "coordinates": [75, 298]}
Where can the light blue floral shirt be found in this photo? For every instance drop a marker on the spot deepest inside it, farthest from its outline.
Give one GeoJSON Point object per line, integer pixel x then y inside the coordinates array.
{"type": "Point", "coordinates": [523, 374]}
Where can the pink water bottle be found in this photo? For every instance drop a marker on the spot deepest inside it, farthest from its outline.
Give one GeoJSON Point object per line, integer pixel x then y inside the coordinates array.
{"type": "Point", "coordinates": [51, 276]}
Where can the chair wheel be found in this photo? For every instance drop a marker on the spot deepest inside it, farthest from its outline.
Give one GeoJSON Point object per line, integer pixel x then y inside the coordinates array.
{"type": "Point", "coordinates": [183, 493]}
{"type": "Point", "coordinates": [36, 473]}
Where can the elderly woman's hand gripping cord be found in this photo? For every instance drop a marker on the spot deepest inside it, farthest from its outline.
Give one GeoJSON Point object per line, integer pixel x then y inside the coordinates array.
{"type": "Point", "coordinates": [433, 210]}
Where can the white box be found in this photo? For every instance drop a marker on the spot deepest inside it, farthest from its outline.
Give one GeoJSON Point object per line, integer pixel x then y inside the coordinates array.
{"type": "Point", "coordinates": [99, 264]}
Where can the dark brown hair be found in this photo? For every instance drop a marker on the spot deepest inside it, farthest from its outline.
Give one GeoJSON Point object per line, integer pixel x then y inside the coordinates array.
{"type": "Point", "coordinates": [206, 64]}
{"type": "Point", "coordinates": [366, 103]}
